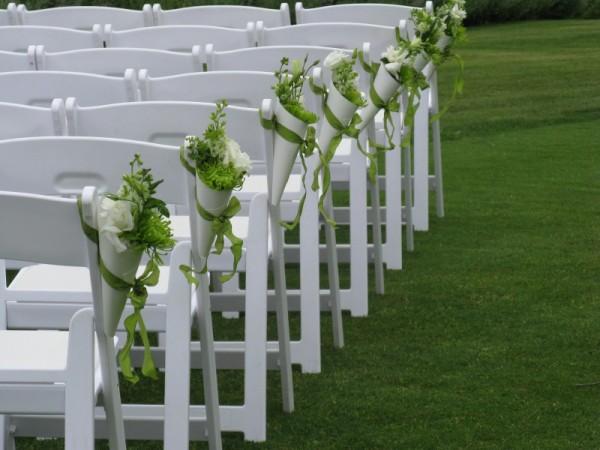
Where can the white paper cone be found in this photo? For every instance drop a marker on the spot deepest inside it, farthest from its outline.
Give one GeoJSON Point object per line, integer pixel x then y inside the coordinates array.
{"type": "Point", "coordinates": [123, 265]}
{"type": "Point", "coordinates": [385, 85]}
{"type": "Point", "coordinates": [284, 152]}
{"type": "Point", "coordinates": [215, 203]}
{"type": "Point", "coordinates": [341, 108]}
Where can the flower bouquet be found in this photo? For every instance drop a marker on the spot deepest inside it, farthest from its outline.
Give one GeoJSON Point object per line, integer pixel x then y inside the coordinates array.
{"type": "Point", "coordinates": [293, 133]}
{"type": "Point", "coordinates": [131, 223]}
{"type": "Point", "coordinates": [340, 103]}
{"type": "Point", "coordinates": [219, 167]}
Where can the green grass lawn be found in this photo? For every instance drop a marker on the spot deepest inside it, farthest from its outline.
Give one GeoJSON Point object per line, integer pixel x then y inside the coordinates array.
{"type": "Point", "coordinates": [481, 340]}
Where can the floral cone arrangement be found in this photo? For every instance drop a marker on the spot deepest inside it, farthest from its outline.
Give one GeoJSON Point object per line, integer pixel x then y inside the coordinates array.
{"type": "Point", "coordinates": [340, 103]}
{"type": "Point", "coordinates": [400, 66]}
{"type": "Point", "coordinates": [219, 167]}
{"type": "Point", "coordinates": [131, 223]}
{"type": "Point", "coordinates": [292, 124]}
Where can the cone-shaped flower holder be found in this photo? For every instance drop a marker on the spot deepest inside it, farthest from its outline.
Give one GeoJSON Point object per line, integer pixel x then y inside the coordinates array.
{"type": "Point", "coordinates": [284, 151]}
{"type": "Point", "coordinates": [444, 42]}
{"type": "Point", "coordinates": [385, 86]}
{"type": "Point", "coordinates": [123, 265]}
{"type": "Point", "coordinates": [214, 202]}
{"type": "Point", "coordinates": [343, 109]}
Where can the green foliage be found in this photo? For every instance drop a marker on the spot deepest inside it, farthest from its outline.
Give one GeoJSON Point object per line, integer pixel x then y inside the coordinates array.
{"type": "Point", "coordinates": [288, 88]}
{"type": "Point", "coordinates": [151, 230]}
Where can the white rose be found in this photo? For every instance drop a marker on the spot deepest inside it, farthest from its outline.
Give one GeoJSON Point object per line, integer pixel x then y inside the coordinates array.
{"type": "Point", "coordinates": [114, 218]}
{"type": "Point", "coordinates": [334, 59]}
{"type": "Point", "coordinates": [233, 155]}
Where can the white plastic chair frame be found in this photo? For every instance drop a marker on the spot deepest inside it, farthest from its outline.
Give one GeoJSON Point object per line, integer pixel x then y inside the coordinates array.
{"type": "Point", "coordinates": [9, 16]}
{"type": "Point", "coordinates": [18, 39]}
{"type": "Point", "coordinates": [35, 302]}
{"type": "Point", "coordinates": [114, 61]}
{"type": "Point", "coordinates": [180, 37]}
{"type": "Point", "coordinates": [170, 123]}
{"type": "Point", "coordinates": [229, 16]}
{"type": "Point", "coordinates": [18, 61]}
{"type": "Point", "coordinates": [374, 13]}
{"type": "Point", "coordinates": [20, 121]}
{"type": "Point", "coordinates": [48, 230]}
{"type": "Point", "coordinates": [84, 17]}
{"type": "Point", "coordinates": [40, 88]}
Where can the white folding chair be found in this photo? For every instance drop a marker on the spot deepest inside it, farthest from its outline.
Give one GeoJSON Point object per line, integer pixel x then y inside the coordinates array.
{"type": "Point", "coordinates": [229, 16]}
{"type": "Point", "coordinates": [84, 17]}
{"type": "Point", "coordinates": [180, 38]}
{"type": "Point", "coordinates": [68, 163]}
{"type": "Point", "coordinates": [8, 16]}
{"type": "Point", "coordinates": [18, 61]}
{"type": "Point", "coordinates": [374, 13]}
{"type": "Point", "coordinates": [18, 39]}
{"type": "Point", "coordinates": [170, 123]}
{"type": "Point", "coordinates": [40, 88]}
{"type": "Point", "coordinates": [54, 372]}
{"type": "Point", "coordinates": [114, 61]}
{"type": "Point", "coordinates": [354, 299]}
{"type": "Point", "coordinates": [26, 121]}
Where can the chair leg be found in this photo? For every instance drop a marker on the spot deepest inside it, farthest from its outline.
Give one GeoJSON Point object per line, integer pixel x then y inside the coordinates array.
{"type": "Point", "coordinates": [392, 248]}
{"type": "Point", "coordinates": [374, 190]}
{"type": "Point", "coordinates": [437, 148]}
{"type": "Point", "coordinates": [281, 302]}
{"type": "Point", "coordinates": [209, 365]}
{"type": "Point", "coordinates": [333, 273]}
{"type": "Point", "coordinates": [111, 394]}
{"type": "Point", "coordinates": [408, 198]}
{"type": "Point", "coordinates": [421, 164]}
{"type": "Point", "coordinates": [7, 439]}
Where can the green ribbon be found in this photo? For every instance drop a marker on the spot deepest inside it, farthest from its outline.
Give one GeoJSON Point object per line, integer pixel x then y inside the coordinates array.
{"type": "Point", "coordinates": [138, 294]}
{"type": "Point", "coordinates": [458, 87]}
{"type": "Point", "coordinates": [221, 226]}
{"type": "Point", "coordinates": [307, 146]}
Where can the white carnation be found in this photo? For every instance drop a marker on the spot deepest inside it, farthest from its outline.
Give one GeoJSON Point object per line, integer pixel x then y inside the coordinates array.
{"type": "Point", "coordinates": [114, 218]}
{"type": "Point", "coordinates": [334, 59]}
{"type": "Point", "coordinates": [393, 68]}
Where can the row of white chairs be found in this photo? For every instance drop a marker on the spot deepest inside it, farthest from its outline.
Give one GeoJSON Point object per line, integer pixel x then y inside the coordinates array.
{"type": "Point", "coordinates": [84, 17]}
{"type": "Point", "coordinates": [64, 173]}
{"type": "Point", "coordinates": [231, 16]}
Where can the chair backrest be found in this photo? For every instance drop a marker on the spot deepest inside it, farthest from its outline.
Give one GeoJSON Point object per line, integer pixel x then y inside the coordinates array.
{"type": "Point", "coordinates": [24, 121]}
{"type": "Point", "coordinates": [18, 61]}
{"type": "Point", "coordinates": [9, 16]}
{"type": "Point", "coordinates": [18, 39]}
{"type": "Point", "coordinates": [241, 88]}
{"type": "Point", "coordinates": [164, 123]}
{"type": "Point", "coordinates": [39, 88]}
{"type": "Point", "coordinates": [84, 17]}
{"type": "Point", "coordinates": [263, 59]}
{"type": "Point", "coordinates": [339, 35]}
{"type": "Point", "coordinates": [181, 37]}
{"type": "Point", "coordinates": [229, 16]}
{"type": "Point", "coordinates": [374, 13]}
{"type": "Point", "coordinates": [44, 229]}
{"type": "Point", "coordinates": [114, 61]}
{"type": "Point", "coordinates": [86, 160]}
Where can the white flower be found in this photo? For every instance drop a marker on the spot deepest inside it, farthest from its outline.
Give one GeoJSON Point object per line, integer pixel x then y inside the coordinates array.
{"type": "Point", "coordinates": [114, 218]}
{"type": "Point", "coordinates": [457, 13]}
{"type": "Point", "coordinates": [334, 59]}
{"type": "Point", "coordinates": [233, 155]}
{"type": "Point", "coordinates": [393, 68]}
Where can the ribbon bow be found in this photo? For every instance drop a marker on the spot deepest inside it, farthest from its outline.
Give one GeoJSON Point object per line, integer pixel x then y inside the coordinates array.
{"type": "Point", "coordinates": [307, 146]}
{"type": "Point", "coordinates": [138, 294]}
